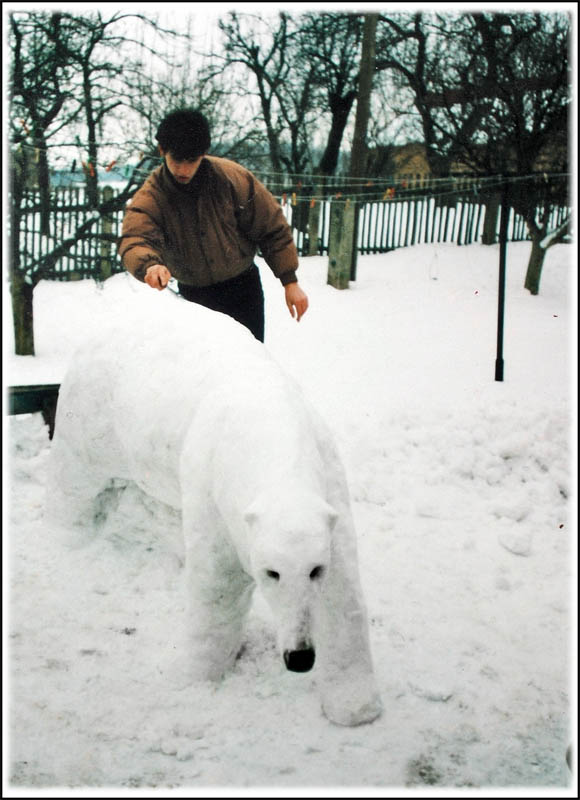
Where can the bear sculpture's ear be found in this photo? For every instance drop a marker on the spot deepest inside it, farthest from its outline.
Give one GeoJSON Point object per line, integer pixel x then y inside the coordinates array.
{"type": "Point", "coordinates": [332, 517]}
{"type": "Point", "coordinates": [251, 516]}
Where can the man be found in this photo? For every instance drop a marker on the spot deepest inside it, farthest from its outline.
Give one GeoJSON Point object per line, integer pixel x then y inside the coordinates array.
{"type": "Point", "coordinates": [201, 220]}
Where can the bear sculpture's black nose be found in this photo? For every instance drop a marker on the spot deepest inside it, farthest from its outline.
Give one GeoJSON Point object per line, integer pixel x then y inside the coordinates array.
{"type": "Point", "coordinates": [299, 660]}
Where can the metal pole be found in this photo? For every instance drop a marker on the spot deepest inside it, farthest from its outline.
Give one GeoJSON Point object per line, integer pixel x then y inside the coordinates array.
{"type": "Point", "coordinates": [503, 227]}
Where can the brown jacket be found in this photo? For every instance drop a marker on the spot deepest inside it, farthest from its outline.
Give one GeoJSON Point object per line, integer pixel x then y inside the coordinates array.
{"type": "Point", "coordinates": [208, 230]}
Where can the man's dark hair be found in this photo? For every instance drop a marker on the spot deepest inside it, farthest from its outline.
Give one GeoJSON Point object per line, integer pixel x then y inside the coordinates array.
{"type": "Point", "coordinates": [184, 134]}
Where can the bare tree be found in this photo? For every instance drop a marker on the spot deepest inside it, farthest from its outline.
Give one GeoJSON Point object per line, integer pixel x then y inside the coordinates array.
{"type": "Point", "coordinates": [66, 79]}
{"type": "Point", "coordinates": [331, 42]}
{"type": "Point", "coordinates": [517, 97]}
{"type": "Point", "coordinates": [38, 97]}
{"type": "Point", "coordinates": [493, 92]}
{"type": "Point", "coordinates": [185, 84]}
{"type": "Point", "coordinates": [409, 51]}
{"type": "Point", "coordinates": [284, 93]}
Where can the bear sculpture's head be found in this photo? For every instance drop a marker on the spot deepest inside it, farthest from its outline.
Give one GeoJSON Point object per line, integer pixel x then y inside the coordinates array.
{"type": "Point", "coordinates": [291, 559]}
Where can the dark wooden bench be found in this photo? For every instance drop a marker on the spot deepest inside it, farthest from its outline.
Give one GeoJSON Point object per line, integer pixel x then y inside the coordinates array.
{"type": "Point", "coordinates": [31, 398]}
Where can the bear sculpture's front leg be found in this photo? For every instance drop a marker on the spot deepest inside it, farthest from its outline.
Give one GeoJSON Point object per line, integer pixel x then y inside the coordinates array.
{"type": "Point", "coordinates": [346, 678]}
{"type": "Point", "coordinates": [219, 595]}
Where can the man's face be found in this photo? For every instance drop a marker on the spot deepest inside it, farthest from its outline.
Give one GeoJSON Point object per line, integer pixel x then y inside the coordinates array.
{"type": "Point", "coordinates": [182, 170]}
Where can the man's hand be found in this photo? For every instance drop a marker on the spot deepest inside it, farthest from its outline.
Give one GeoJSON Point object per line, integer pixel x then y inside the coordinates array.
{"type": "Point", "coordinates": [157, 276]}
{"type": "Point", "coordinates": [296, 300]}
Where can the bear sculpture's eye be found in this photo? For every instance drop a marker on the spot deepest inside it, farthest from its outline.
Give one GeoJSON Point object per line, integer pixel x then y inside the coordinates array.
{"type": "Point", "coordinates": [316, 573]}
{"type": "Point", "coordinates": [275, 576]}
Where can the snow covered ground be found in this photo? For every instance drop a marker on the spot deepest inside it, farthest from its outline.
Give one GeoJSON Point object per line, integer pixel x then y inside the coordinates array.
{"type": "Point", "coordinates": [463, 490]}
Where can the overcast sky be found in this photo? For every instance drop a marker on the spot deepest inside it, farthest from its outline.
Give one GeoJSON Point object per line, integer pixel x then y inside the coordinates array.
{"type": "Point", "coordinates": [203, 17]}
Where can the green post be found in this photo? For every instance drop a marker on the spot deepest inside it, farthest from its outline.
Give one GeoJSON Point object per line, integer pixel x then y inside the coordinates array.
{"type": "Point", "coordinates": [340, 246]}
{"type": "Point", "coordinates": [504, 219]}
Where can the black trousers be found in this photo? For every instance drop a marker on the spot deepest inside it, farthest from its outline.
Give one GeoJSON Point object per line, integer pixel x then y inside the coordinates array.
{"type": "Point", "coordinates": [241, 298]}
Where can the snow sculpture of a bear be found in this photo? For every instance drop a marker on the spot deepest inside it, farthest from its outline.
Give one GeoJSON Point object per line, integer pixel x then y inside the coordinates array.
{"type": "Point", "coordinates": [189, 406]}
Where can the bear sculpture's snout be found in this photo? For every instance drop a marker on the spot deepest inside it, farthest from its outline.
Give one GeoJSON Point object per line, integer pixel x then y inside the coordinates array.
{"type": "Point", "coordinates": [299, 660]}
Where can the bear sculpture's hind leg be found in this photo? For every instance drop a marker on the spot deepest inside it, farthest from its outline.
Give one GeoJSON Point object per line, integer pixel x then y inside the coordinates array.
{"type": "Point", "coordinates": [85, 454]}
{"type": "Point", "coordinates": [76, 496]}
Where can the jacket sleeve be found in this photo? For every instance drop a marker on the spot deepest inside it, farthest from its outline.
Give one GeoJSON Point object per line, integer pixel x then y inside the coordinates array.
{"type": "Point", "coordinates": [262, 221]}
{"type": "Point", "coordinates": [142, 239]}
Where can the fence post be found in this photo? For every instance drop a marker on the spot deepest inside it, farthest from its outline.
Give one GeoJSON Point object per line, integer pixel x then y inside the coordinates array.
{"type": "Point", "coordinates": [313, 223]}
{"type": "Point", "coordinates": [488, 235]}
{"type": "Point", "coordinates": [356, 209]}
{"type": "Point", "coordinates": [106, 261]}
{"type": "Point", "coordinates": [340, 244]}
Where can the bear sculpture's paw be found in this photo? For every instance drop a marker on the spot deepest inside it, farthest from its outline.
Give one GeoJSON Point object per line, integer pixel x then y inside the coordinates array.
{"type": "Point", "coordinates": [346, 707]}
{"type": "Point", "coordinates": [72, 536]}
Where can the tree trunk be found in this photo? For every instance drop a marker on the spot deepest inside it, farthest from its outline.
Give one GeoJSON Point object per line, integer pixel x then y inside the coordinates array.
{"type": "Point", "coordinates": [359, 148]}
{"type": "Point", "coordinates": [107, 223]}
{"type": "Point", "coordinates": [22, 293]}
{"type": "Point", "coordinates": [340, 108]}
{"type": "Point", "coordinates": [91, 176]}
{"type": "Point", "coordinates": [275, 159]}
{"type": "Point", "coordinates": [43, 179]}
{"type": "Point", "coordinates": [535, 264]}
